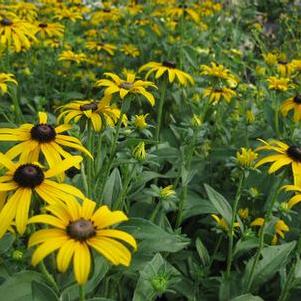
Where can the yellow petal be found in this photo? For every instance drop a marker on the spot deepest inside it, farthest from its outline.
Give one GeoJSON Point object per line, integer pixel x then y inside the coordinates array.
{"type": "Point", "coordinates": [81, 262]}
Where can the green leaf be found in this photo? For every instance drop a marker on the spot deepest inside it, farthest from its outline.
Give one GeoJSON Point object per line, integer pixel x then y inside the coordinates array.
{"type": "Point", "coordinates": [6, 242]}
{"type": "Point", "coordinates": [220, 203]}
{"type": "Point", "coordinates": [156, 277]}
{"type": "Point", "coordinates": [42, 292]}
{"type": "Point", "coordinates": [247, 297]}
{"type": "Point", "coordinates": [154, 238]}
{"type": "Point", "coordinates": [112, 187]}
{"type": "Point", "coordinates": [19, 287]}
{"type": "Point", "coordinates": [245, 245]}
{"type": "Point", "coordinates": [202, 251]}
{"type": "Point", "coordinates": [273, 258]}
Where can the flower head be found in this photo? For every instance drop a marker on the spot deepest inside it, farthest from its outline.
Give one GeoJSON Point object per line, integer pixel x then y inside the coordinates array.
{"type": "Point", "coordinates": [75, 229]}
{"type": "Point", "coordinates": [140, 121]}
{"type": "Point", "coordinates": [5, 79]}
{"type": "Point", "coordinates": [292, 103]}
{"type": "Point", "coordinates": [246, 157]}
{"type": "Point", "coordinates": [139, 152]}
{"type": "Point", "coordinates": [217, 94]}
{"type": "Point", "coordinates": [278, 84]}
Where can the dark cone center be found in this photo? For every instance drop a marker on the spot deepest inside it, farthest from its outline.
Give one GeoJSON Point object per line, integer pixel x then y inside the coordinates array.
{"type": "Point", "coordinates": [106, 10]}
{"type": "Point", "coordinates": [81, 230]}
{"type": "Point", "coordinates": [43, 25]}
{"type": "Point", "coordinates": [169, 64]}
{"type": "Point", "coordinates": [294, 152]}
{"type": "Point", "coordinates": [126, 85]}
{"type": "Point", "coordinates": [6, 22]}
{"type": "Point", "coordinates": [297, 99]}
{"type": "Point", "coordinates": [89, 106]}
{"type": "Point", "coordinates": [28, 175]}
{"type": "Point", "coordinates": [43, 133]}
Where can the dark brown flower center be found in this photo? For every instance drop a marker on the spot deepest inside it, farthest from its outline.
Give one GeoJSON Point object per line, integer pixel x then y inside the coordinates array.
{"type": "Point", "coordinates": [43, 25]}
{"type": "Point", "coordinates": [126, 85]}
{"type": "Point", "coordinates": [282, 62]}
{"type": "Point", "coordinates": [89, 106]}
{"type": "Point", "coordinates": [294, 152]}
{"type": "Point", "coordinates": [106, 10]}
{"type": "Point", "coordinates": [81, 229]}
{"type": "Point", "coordinates": [6, 22]}
{"type": "Point", "coordinates": [297, 99]}
{"type": "Point", "coordinates": [28, 175]}
{"type": "Point", "coordinates": [43, 133]}
{"type": "Point", "coordinates": [169, 64]}
{"type": "Point", "coordinates": [184, 6]}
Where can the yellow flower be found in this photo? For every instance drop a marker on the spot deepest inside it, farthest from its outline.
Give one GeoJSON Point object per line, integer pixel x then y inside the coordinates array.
{"type": "Point", "coordinates": [285, 68]}
{"type": "Point", "coordinates": [129, 85]}
{"type": "Point", "coordinates": [167, 192]}
{"type": "Point", "coordinates": [218, 71]}
{"type": "Point", "coordinates": [139, 152]}
{"type": "Point", "coordinates": [278, 83]}
{"type": "Point", "coordinates": [50, 30]}
{"type": "Point", "coordinates": [16, 33]}
{"type": "Point", "coordinates": [250, 116]}
{"type": "Point", "coordinates": [130, 50]}
{"type": "Point", "coordinates": [5, 79]}
{"type": "Point", "coordinates": [293, 103]}
{"type": "Point", "coordinates": [296, 199]}
{"type": "Point", "coordinates": [216, 94]}
{"type": "Point", "coordinates": [25, 11]}
{"type": "Point", "coordinates": [296, 64]}
{"type": "Point", "coordinates": [280, 228]}
{"type": "Point", "coordinates": [21, 180]}
{"type": "Point", "coordinates": [109, 48]}
{"type": "Point", "coordinates": [38, 138]}
{"type": "Point", "coordinates": [246, 157]}
{"type": "Point", "coordinates": [221, 222]}
{"type": "Point", "coordinates": [243, 213]}
{"type": "Point", "coordinates": [97, 112]}
{"type": "Point", "coordinates": [75, 230]}
{"type": "Point", "coordinates": [270, 58]}
{"type": "Point", "coordinates": [140, 122]}
{"type": "Point", "coordinates": [169, 67]}
{"type": "Point", "coordinates": [177, 12]}
{"type": "Point", "coordinates": [68, 14]}
{"type": "Point", "coordinates": [69, 55]}
{"type": "Point", "coordinates": [285, 155]}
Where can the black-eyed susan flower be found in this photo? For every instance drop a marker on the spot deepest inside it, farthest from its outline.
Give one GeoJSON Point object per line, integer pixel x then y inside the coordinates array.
{"type": "Point", "coordinates": [217, 94]}
{"type": "Point", "coordinates": [75, 230]}
{"type": "Point", "coordinates": [293, 103]}
{"type": "Point", "coordinates": [294, 200]}
{"type": "Point", "coordinates": [50, 30]}
{"type": "Point", "coordinates": [5, 80]}
{"type": "Point", "coordinates": [246, 157]}
{"type": "Point", "coordinates": [183, 10]}
{"type": "Point", "coordinates": [285, 155]}
{"type": "Point", "coordinates": [69, 55]}
{"type": "Point", "coordinates": [278, 83]}
{"type": "Point", "coordinates": [130, 50]}
{"type": "Point", "coordinates": [16, 33]}
{"type": "Point", "coordinates": [280, 228]}
{"type": "Point", "coordinates": [170, 68]}
{"type": "Point", "coordinates": [68, 14]}
{"type": "Point", "coordinates": [99, 46]}
{"type": "Point", "coordinates": [41, 137]}
{"type": "Point", "coordinates": [125, 86]}
{"type": "Point", "coordinates": [22, 179]}
{"type": "Point", "coordinates": [100, 113]}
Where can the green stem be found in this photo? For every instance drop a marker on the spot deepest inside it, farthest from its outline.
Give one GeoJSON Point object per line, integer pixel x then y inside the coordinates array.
{"type": "Point", "coordinates": [181, 206]}
{"type": "Point", "coordinates": [14, 96]}
{"type": "Point", "coordinates": [81, 293]}
{"type": "Point", "coordinates": [85, 182]}
{"type": "Point", "coordinates": [49, 277]}
{"type": "Point", "coordinates": [288, 284]}
{"type": "Point", "coordinates": [160, 109]}
{"type": "Point", "coordinates": [231, 229]}
{"type": "Point", "coordinates": [89, 161]}
{"type": "Point", "coordinates": [119, 202]}
{"type": "Point", "coordinates": [155, 212]}
{"type": "Point", "coordinates": [215, 251]}
{"type": "Point", "coordinates": [267, 218]}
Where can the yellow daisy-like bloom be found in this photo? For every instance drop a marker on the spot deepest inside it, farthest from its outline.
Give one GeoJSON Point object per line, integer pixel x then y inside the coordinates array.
{"type": "Point", "coordinates": [25, 11]}
{"type": "Point", "coordinates": [293, 103]}
{"type": "Point", "coordinates": [243, 213]}
{"type": "Point", "coordinates": [130, 50]}
{"type": "Point", "coordinates": [16, 33]}
{"type": "Point", "coordinates": [280, 228]}
{"type": "Point", "coordinates": [270, 58]}
{"type": "Point", "coordinates": [178, 12]}
{"type": "Point", "coordinates": [246, 157]}
{"type": "Point", "coordinates": [69, 55]}
{"type": "Point", "coordinates": [105, 15]}
{"type": "Point", "coordinates": [296, 64]}
{"type": "Point", "coordinates": [50, 30]}
{"type": "Point", "coordinates": [38, 138]}
{"type": "Point", "coordinates": [98, 46]}
{"type": "Point", "coordinates": [75, 230]}
{"type": "Point", "coordinates": [217, 70]}
{"type": "Point", "coordinates": [221, 222]}
{"type": "Point", "coordinates": [296, 199]}
{"type": "Point", "coordinates": [285, 68]}
{"type": "Point", "coordinates": [278, 83]}
{"type": "Point", "coordinates": [21, 180]}
{"type": "Point", "coordinates": [5, 79]}
{"type": "Point", "coordinates": [129, 85]}
{"type": "Point", "coordinates": [68, 14]}
{"type": "Point", "coordinates": [140, 121]}
{"type": "Point", "coordinates": [169, 67]}
{"type": "Point", "coordinates": [285, 155]}
{"type": "Point", "coordinates": [167, 192]}
{"type": "Point", "coordinates": [97, 112]}
{"type": "Point", "coordinates": [216, 94]}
